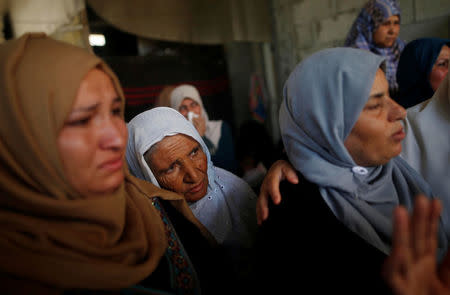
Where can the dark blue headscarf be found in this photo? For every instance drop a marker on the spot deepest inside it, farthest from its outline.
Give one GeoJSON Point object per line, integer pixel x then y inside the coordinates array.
{"type": "Point", "coordinates": [414, 68]}
{"type": "Point", "coordinates": [372, 15]}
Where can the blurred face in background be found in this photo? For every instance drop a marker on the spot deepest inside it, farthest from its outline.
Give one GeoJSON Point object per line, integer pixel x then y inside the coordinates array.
{"type": "Point", "coordinates": [92, 141]}
{"type": "Point", "coordinates": [189, 105]}
{"type": "Point", "coordinates": [387, 32]}
{"type": "Point", "coordinates": [440, 68]}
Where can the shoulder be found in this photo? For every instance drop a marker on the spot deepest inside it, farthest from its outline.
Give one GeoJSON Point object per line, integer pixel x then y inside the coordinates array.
{"type": "Point", "coordinates": [304, 188]}
{"type": "Point", "coordinates": [234, 182]}
{"type": "Point", "coordinates": [300, 203]}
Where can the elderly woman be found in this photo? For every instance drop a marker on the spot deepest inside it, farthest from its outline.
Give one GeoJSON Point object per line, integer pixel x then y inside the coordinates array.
{"type": "Point", "coordinates": [422, 67]}
{"type": "Point", "coordinates": [216, 134]}
{"type": "Point", "coordinates": [376, 29]}
{"type": "Point", "coordinates": [166, 149]}
{"type": "Point", "coordinates": [72, 217]}
{"type": "Point", "coordinates": [342, 133]}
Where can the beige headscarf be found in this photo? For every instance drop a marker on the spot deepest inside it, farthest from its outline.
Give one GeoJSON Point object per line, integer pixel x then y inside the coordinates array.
{"type": "Point", "coordinates": [48, 233]}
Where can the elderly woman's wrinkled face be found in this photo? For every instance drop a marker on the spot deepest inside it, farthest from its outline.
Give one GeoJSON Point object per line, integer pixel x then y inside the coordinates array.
{"type": "Point", "coordinates": [440, 68]}
{"type": "Point", "coordinates": [180, 165]}
{"type": "Point", "coordinates": [377, 135]}
{"type": "Point", "coordinates": [189, 105]}
{"type": "Point", "coordinates": [387, 32]}
{"type": "Point", "coordinates": [92, 141]}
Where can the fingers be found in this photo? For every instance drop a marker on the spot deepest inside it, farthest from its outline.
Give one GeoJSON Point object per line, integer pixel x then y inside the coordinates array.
{"type": "Point", "coordinates": [410, 267]}
{"type": "Point", "coordinates": [262, 208]}
{"type": "Point", "coordinates": [401, 247]}
{"type": "Point", "coordinates": [444, 270]}
{"type": "Point", "coordinates": [270, 188]}
{"type": "Point", "coordinates": [290, 174]}
{"type": "Point", "coordinates": [279, 171]}
{"type": "Point", "coordinates": [436, 208]}
{"type": "Point", "coordinates": [425, 223]}
{"type": "Point", "coordinates": [401, 238]}
{"type": "Point", "coordinates": [399, 261]}
{"type": "Point", "coordinates": [420, 226]}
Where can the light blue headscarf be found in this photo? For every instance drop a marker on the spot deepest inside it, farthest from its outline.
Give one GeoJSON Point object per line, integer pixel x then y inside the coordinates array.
{"type": "Point", "coordinates": [323, 98]}
{"type": "Point", "coordinates": [228, 210]}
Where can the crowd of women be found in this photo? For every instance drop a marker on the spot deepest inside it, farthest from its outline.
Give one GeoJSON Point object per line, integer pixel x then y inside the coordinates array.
{"type": "Point", "coordinates": [93, 205]}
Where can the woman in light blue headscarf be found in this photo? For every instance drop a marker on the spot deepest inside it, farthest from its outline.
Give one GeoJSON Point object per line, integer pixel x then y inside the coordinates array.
{"type": "Point", "coordinates": [376, 29]}
{"type": "Point", "coordinates": [342, 133]}
{"type": "Point", "coordinates": [227, 206]}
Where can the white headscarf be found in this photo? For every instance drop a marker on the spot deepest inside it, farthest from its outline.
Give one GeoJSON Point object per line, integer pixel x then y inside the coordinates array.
{"type": "Point", "coordinates": [427, 144]}
{"type": "Point", "coordinates": [228, 209]}
{"type": "Point", "coordinates": [323, 99]}
{"type": "Point", "coordinates": [213, 128]}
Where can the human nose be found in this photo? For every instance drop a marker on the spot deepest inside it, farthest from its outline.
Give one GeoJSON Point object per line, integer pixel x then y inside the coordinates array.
{"type": "Point", "coordinates": [113, 135]}
{"type": "Point", "coordinates": [190, 108]}
{"type": "Point", "coordinates": [191, 173]}
{"type": "Point", "coordinates": [391, 28]}
{"type": "Point", "coordinates": [397, 112]}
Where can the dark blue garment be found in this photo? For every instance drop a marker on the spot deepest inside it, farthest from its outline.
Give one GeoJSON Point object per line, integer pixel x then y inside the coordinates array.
{"type": "Point", "coordinates": [414, 68]}
{"type": "Point", "coordinates": [224, 156]}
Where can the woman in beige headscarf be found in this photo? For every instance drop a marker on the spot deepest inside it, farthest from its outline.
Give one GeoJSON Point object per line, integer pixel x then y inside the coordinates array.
{"type": "Point", "coordinates": [71, 215]}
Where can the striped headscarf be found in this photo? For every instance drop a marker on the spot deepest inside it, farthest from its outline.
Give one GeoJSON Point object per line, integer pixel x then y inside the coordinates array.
{"type": "Point", "coordinates": [372, 15]}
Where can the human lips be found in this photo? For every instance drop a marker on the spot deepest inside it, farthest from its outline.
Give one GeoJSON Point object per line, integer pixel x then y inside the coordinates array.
{"type": "Point", "coordinates": [399, 135]}
{"type": "Point", "coordinates": [197, 188]}
{"type": "Point", "coordinates": [112, 164]}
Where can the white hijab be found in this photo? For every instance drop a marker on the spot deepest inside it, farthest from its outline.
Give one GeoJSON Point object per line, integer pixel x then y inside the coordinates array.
{"type": "Point", "coordinates": [427, 144]}
{"type": "Point", "coordinates": [213, 128]}
{"type": "Point", "coordinates": [228, 210]}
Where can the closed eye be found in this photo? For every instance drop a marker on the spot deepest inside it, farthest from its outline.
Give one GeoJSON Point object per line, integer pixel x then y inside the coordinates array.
{"type": "Point", "coordinates": [79, 122]}
{"type": "Point", "coordinates": [117, 111]}
{"type": "Point", "coordinates": [194, 151]}
{"type": "Point", "coordinates": [373, 107]}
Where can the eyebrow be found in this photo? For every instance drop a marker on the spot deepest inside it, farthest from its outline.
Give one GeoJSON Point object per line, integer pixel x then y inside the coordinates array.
{"type": "Point", "coordinates": [377, 95]}
{"type": "Point", "coordinates": [197, 147]}
{"type": "Point", "coordinates": [93, 107]}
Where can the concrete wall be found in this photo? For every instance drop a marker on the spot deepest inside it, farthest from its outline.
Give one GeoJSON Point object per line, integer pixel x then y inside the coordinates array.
{"type": "Point", "coordinates": [305, 26]}
{"type": "Point", "coordinates": [62, 19]}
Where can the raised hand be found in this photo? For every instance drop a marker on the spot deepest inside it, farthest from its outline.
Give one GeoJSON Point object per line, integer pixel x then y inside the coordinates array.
{"type": "Point", "coordinates": [411, 268]}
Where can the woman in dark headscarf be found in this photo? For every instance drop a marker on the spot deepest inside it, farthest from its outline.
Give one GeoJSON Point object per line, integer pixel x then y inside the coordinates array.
{"type": "Point", "coordinates": [423, 65]}
{"type": "Point", "coordinates": [376, 29]}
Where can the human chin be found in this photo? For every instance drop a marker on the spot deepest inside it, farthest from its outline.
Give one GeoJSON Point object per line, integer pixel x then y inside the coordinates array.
{"type": "Point", "coordinates": [197, 192]}
{"type": "Point", "coordinates": [108, 184]}
{"type": "Point", "coordinates": [394, 150]}
{"type": "Point", "coordinates": [389, 43]}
